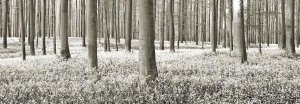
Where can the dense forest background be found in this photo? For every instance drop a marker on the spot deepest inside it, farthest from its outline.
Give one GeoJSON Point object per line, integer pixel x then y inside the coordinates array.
{"type": "Point", "coordinates": [149, 51]}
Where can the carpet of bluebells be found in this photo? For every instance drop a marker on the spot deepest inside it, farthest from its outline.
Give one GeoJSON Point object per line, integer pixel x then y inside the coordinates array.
{"type": "Point", "coordinates": [190, 75]}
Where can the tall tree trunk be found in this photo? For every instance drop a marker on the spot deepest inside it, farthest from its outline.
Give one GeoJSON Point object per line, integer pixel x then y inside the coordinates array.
{"type": "Point", "coordinates": [203, 34]}
{"type": "Point", "coordinates": [92, 33]}
{"type": "Point", "coordinates": [148, 69]}
{"type": "Point", "coordinates": [128, 25]}
{"type": "Point", "coordinates": [184, 21]}
{"type": "Point", "coordinates": [44, 26]}
{"type": "Point", "coordinates": [171, 26]}
{"type": "Point", "coordinates": [214, 25]}
{"type": "Point", "coordinates": [113, 23]}
{"type": "Point", "coordinates": [65, 52]}
{"type": "Point", "coordinates": [282, 41]}
{"type": "Point", "coordinates": [239, 30]}
{"type": "Point", "coordinates": [267, 24]}
{"type": "Point", "coordinates": [57, 23]}
{"type": "Point", "coordinates": [260, 26]}
{"type": "Point", "coordinates": [161, 35]}
{"type": "Point", "coordinates": [290, 27]}
{"type": "Point", "coordinates": [179, 22]}
{"type": "Point", "coordinates": [4, 22]}
{"type": "Point", "coordinates": [83, 23]}
{"type": "Point", "coordinates": [230, 23]}
{"type": "Point", "coordinates": [22, 28]}
{"type": "Point", "coordinates": [32, 26]}
{"type": "Point", "coordinates": [197, 23]}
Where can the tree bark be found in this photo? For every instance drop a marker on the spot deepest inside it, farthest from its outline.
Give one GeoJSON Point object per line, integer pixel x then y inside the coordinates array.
{"type": "Point", "coordinates": [83, 23]}
{"type": "Point", "coordinates": [4, 22]}
{"type": "Point", "coordinates": [44, 26]}
{"type": "Point", "coordinates": [22, 28]}
{"type": "Point", "coordinates": [148, 69]}
{"type": "Point", "coordinates": [128, 23]}
{"type": "Point", "coordinates": [32, 26]}
{"type": "Point", "coordinates": [161, 35]}
{"type": "Point", "coordinates": [290, 27]}
{"type": "Point", "coordinates": [65, 52]}
{"type": "Point", "coordinates": [172, 28]}
{"type": "Point", "coordinates": [214, 25]}
{"type": "Point", "coordinates": [239, 30]}
{"type": "Point", "coordinates": [92, 33]}
{"type": "Point", "coordinates": [282, 42]}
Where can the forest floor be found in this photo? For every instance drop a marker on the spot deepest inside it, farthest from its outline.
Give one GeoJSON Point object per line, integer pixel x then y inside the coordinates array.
{"type": "Point", "coordinates": [190, 75]}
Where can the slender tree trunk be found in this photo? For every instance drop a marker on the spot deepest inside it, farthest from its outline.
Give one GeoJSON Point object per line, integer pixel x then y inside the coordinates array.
{"type": "Point", "coordinates": [214, 25]}
{"type": "Point", "coordinates": [161, 35]}
{"type": "Point", "coordinates": [260, 26]}
{"type": "Point", "coordinates": [197, 23]}
{"type": "Point", "coordinates": [32, 26]}
{"type": "Point", "coordinates": [179, 22]}
{"type": "Point", "coordinates": [92, 33]}
{"type": "Point", "coordinates": [267, 24]}
{"type": "Point", "coordinates": [57, 23]}
{"type": "Point", "coordinates": [4, 22]}
{"type": "Point", "coordinates": [184, 21]}
{"type": "Point", "coordinates": [203, 35]}
{"type": "Point", "coordinates": [128, 23]}
{"type": "Point", "coordinates": [22, 28]}
{"type": "Point", "coordinates": [282, 41]}
{"type": "Point", "coordinates": [44, 26]}
{"type": "Point", "coordinates": [172, 28]}
{"type": "Point", "coordinates": [83, 23]}
{"type": "Point", "coordinates": [65, 52]}
{"type": "Point", "coordinates": [114, 27]}
{"type": "Point", "coordinates": [230, 27]}
{"type": "Point", "coordinates": [148, 69]}
{"type": "Point", "coordinates": [290, 27]}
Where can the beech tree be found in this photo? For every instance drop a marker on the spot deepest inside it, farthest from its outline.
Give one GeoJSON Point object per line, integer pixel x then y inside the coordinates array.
{"type": "Point", "coordinates": [161, 35]}
{"type": "Point", "coordinates": [44, 26]}
{"type": "Point", "coordinates": [128, 25]}
{"type": "Point", "coordinates": [4, 22]}
{"type": "Point", "coordinates": [64, 44]}
{"type": "Point", "coordinates": [92, 33]}
{"type": "Point", "coordinates": [171, 26]}
{"type": "Point", "coordinates": [22, 28]}
{"type": "Point", "coordinates": [282, 42]}
{"type": "Point", "coordinates": [148, 69]}
{"type": "Point", "coordinates": [239, 30]}
{"type": "Point", "coordinates": [290, 28]}
{"type": "Point", "coordinates": [32, 26]}
{"type": "Point", "coordinates": [214, 25]}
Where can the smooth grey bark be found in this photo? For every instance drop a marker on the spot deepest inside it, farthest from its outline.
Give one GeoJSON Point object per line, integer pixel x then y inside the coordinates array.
{"type": "Point", "coordinates": [128, 25]}
{"type": "Point", "coordinates": [171, 26]}
{"type": "Point", "coordinates": [214, 25]}
{"type": "Point", "coordinates": [64, 44]}
{"type": "Point", "coordinates": [282, 42]}
{"type": "Point", "coordinates": [22, 28]}
{"type": "Point", "coordinates": [92, 33]}
{"type": "Point", "coordinates": [44, 26]}
{"type": "Point", "coordinates": [147, 67]}
{"type": "Point", "coordinates": [57, 22]}
{"type": "Point", "coordinates": [239, 31]}
{"type": "Point", "coordinates": [203, 34]}
{"type": "Point", "coordinates": [83, 26]}
{"type": "Point", "coordinates": [259, 27]}
{"type": "Point", "coordinates": [32, 26]}
{"type": "Point", "coordinates": [162, 35]}
{"type": "Point", "coordinates": [4, 22]}
{"type": "Point", "coordinates": [290, 28]}
{"type": "Point", "coordinates": [267, 24]}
